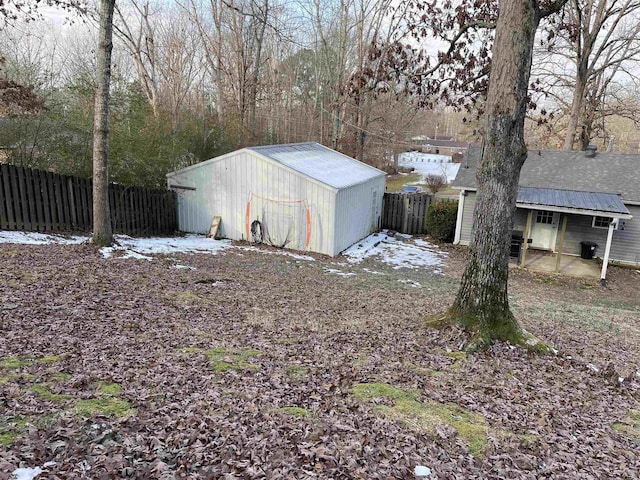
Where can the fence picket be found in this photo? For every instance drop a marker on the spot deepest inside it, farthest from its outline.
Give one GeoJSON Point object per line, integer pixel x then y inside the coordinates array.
{"type": "Point", "coordinates": [37, 200]}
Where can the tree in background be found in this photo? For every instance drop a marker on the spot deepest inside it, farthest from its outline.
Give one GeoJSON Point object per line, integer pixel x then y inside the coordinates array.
{"type": "Point", "coordinates": [102, 233]}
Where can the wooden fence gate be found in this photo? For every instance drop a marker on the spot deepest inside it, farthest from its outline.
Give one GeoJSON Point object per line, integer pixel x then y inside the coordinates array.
{"type": "Point", "coordinates": [37, 200]}
{"type": "Point", "coordinates": [405, 212]}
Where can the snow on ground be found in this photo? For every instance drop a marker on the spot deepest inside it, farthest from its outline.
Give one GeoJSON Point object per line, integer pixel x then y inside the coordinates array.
{"type": "Point", "coordinates": [399, 253]}
{"type": "Point", "coordinates": [340, 273]}
{"type": "Point", "coordinates": [428, 163]}
{"type": "Point", "coordinates": [138, 247]}
{"type": "Point", "coordinates": [34, 238]}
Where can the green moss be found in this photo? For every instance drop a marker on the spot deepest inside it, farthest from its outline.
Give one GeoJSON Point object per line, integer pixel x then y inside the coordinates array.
{"type": "Point", "coordinates": [425, 416]}
{"type": "Point", "coordinates": [629, 426]}
{"type": "Point", "coordinates": [10, 429]}
{"type": "Point", "coordinates": [109, 389]}
{"type": "Point", "coordinates": [296, 371]}
{"type": "Point", "coordinates": [43, 392]}
{"type": "Point", "coordinates": [61, 376]}
{"type": "Point", "coordinates": [49, 359]}
{"type": "Point", "coordinates": [103, 406]}
{"type": "Point", "coordinates": [298, 412]}
{"type": "Point", "coordinates": [456, 355]}
{"type": "Point", "coordinates": [222, 359]}
{"type": "Point", "coordinates": [13, 363]}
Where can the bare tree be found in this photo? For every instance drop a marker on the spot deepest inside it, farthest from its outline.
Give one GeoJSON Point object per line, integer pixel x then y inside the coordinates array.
{"type": "Point", "coordinates": [435, 182]}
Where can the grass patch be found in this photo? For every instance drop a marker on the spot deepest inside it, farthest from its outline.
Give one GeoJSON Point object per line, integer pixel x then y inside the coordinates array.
{"type": "Point", "coordinates": [10, 429]}
{"type": "Point", "coordinates": [112, 407]}
{"type": "Point", "coordinates": [49, 359]}
{"type": "Point", "coordinates": [405, 407]}
{"type": "Point", "coordinates": [456, 355]}
{"type": "Point", "coordinates": [61, 376]}
{"type": "Point", "coordinates": [109, 389]}
{"type": "Point", "coordinates": [296, 371]}
{"type": "Point", "coordinates": [222, 359]}
{"type": "Point", "coordinates": [396, 182]}
{"type": "Point", "coordinates": [630, 426]}
{"type": "Point", "coordinates": [13, 363]}
{"type": "Point", "coordinates": [44, 393]}
{"type": "Point", "coordinates": [297, 412]}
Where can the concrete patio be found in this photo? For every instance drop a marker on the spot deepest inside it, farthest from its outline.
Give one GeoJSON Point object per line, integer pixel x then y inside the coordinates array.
{"type": "Point", "coordinates": [573, 266]}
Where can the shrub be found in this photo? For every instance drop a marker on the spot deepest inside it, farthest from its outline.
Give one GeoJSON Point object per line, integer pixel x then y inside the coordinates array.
{"type": "Point", "coordinates": [441, 220]}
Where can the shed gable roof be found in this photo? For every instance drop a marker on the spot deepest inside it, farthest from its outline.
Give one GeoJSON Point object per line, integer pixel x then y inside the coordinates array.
{"type": "Point", "coordinates": [561, 170]}
{"type": "Point", "coordinates": [320, 163]}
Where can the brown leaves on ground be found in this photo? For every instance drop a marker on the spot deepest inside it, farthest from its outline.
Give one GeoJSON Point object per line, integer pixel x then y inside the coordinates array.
{"type": "Point", "coordinates": [117, 368]}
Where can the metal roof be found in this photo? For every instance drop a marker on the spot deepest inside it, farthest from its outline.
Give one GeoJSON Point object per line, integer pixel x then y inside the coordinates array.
{"type": "Point", "coordinates": [320, 163]}
{"type": "Point", "coordinates": [597, 202]}
{"type": "Point", "coordinates": [605, 173]}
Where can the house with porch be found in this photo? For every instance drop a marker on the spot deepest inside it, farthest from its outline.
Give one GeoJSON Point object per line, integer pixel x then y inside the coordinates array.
{"type": "Point", "coordinates": [567, 202]}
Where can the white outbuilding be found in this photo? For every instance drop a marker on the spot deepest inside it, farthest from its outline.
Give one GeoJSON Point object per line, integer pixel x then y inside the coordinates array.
{"type": "Point", "coordinates": [300, 196]}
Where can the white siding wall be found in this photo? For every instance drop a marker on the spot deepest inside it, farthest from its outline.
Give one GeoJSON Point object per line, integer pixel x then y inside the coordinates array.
{"type": "Point", "coordinates": [224, 187]}
{"type": "Point", "coordinates": [355, 215]}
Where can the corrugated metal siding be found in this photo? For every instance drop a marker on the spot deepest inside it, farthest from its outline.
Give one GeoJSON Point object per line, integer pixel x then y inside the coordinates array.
{"type": "Point", "coordinates": [224, 188]}
{"type": "Point", "coordinates": [354, 212]}
{"type": "Point", "coordinates": [467, 218]}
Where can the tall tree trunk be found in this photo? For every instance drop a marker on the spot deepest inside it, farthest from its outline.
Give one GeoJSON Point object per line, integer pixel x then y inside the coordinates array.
{"type": "Point", "coordinates": [576, 108]}
{"type": "Point", "coordinates": [102, 234]}
{"type": "Point", "coordinates": [482, 303]}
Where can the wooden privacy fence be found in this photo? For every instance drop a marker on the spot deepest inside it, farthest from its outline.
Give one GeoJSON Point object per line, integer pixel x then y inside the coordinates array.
{"type": "Point", "coordinates": [36, 200]}
{"type": "Point", "coordinates": [405, 212]}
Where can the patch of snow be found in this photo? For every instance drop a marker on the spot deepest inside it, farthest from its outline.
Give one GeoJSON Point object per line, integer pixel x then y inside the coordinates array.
{"type": "Point", "coordinates": [592, 367]}
{"type": "Point", "coordinates": [422, 471]}
{"type": "Point", "coordinates": [27, 473]}
{"type": "Point", "coordinates": [340, 273]}
{"type": "Point", "coordinates": [395, 252]}
{"type": "Point", "coordinates": [184, 267]}
{"type": "Point", "coordinates": [429, 164]}
{"type": "Point", "coordinates": [532, 342]}
{"type": "Point", "coordinates": [34, 238]}
{"type": "Point", "coordinates": [411, 283]}
{"type": "Point", "coordinates": [373, 272]}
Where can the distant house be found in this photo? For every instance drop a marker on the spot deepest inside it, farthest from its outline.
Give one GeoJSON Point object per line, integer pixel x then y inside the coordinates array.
{"type": "Point", "coordinates": [446, 146]}
{"type": "Point", "coordinates": [596, 196]}
{"type": "Point", "coordinates": [301, 196]}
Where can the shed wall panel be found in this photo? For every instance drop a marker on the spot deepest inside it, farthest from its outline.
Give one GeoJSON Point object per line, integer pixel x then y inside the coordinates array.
{"type": "Point", "coordinates": [358, 212]}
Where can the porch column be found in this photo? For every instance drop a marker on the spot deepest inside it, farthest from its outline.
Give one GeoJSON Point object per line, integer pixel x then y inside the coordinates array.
{"type": "Point", "coordinates": [561, 244]}
{"type": "Point", "coordinates": [525, 245]}
{"type": "Point", "coordinates": [607, 250]}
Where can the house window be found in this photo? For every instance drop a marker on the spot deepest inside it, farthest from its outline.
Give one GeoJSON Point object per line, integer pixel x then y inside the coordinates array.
{"type": "Point", "coordinates": [601, 222]}
{"type": "Point", "coordinates": [544, 217]}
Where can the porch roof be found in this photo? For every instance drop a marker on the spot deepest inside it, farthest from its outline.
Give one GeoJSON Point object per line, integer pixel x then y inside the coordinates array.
{"type": "Point", "coordinates": [572, 201]}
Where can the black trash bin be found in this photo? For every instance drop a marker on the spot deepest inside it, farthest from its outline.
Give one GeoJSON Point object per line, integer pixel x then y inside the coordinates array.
{"type": "Point", "coordinates": [588, 250]}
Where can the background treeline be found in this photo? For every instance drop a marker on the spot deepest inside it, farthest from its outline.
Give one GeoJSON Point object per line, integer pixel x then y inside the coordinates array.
{"type": "Point", "coordinates": [192, 80]}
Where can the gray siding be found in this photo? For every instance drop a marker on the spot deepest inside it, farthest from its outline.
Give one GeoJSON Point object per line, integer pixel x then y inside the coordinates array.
{"type": "Point", "coordinates": [358, 212]}
{"type": "Point", "coordinates": [467, 218]}
{"type": "Point", "coordinates": [625, 245]}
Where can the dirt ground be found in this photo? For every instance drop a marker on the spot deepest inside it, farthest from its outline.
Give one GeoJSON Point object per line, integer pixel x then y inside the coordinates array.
{"type": "Point", "coordinates": [248, 365]}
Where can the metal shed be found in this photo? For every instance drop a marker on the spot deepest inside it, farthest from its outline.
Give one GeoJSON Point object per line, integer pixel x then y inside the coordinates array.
{"type": "Point", "coordinates": [300, 196]}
